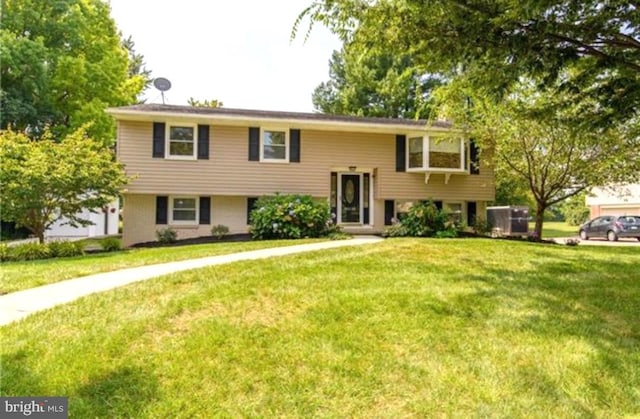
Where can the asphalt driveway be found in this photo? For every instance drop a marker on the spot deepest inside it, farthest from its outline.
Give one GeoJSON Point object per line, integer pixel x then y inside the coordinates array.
{"type": "Point", "coordinates": [599, 241]}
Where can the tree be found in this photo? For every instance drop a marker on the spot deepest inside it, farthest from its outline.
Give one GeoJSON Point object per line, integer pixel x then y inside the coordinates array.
{"type": "Point", "coordinates": [62, 64]}
{"type": "Point", "coordinates": [374, 84]}
{"type": "Point", "coordinates": [137, 66]}
{"type": "Point", "coordinates": [587, 49]}
{"type": "Point", "coordinates": [547, 149]}
{"type": "Point", "coordinates": [213, 103]}
{"type": "Point", "coordinates": [575, 210]}
{"type": "Point", "coordinates": [44, 180]}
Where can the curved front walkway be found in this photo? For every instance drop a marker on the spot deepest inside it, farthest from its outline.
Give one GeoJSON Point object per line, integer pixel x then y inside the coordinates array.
{"type": "Point", "coordinates": [18, 305]}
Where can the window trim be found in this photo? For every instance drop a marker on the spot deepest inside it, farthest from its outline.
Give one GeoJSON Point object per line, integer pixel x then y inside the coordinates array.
{"type": "Point", "coordinates": [426, 150]}
{"type": "Point", "coordinates": [167, 141]}
{"type": "Point", "coordinates": [171, 208]}
{"type": "Point", "coordinates": [287, 144]}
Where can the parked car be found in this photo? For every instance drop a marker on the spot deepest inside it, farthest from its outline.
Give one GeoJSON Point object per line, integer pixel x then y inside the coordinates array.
{"type": "Point", "coordinates": [611, 227]}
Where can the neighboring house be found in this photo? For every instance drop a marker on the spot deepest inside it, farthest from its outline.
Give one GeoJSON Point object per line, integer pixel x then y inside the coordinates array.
{"type": "Point", "coordinates": [614, 200]}
{"type": "Point", "coordinates": [199, 167]}
{"type": "Point", "coordinates": [105, 222]}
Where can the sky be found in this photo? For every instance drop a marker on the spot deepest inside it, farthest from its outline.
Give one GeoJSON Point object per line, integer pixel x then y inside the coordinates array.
{"type": "Point", "coordinates": [236, 51]}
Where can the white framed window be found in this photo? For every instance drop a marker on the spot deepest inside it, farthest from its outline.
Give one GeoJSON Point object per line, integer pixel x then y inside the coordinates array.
{"type": "Point", "coordinates": [454, 210]}
{"type": "Point", "coordinates": [446, 153]}
{"type": "Point", "coordinates": [183, 210]}
{"type": "Point", "coordinates": [416, 153]}
{"type": "Point", "coordinates": [402, 208]}
{"type": "Point", "coordinates": [181, 141]}
{"type": "Point", "coordinates": [274, 145]}
{"type": "Point", "coordinates": [438, 154]}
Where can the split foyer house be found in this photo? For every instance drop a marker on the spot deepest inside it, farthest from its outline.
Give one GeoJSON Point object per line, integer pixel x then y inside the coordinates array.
{"type": "Point", "coordinates": [198, 167]}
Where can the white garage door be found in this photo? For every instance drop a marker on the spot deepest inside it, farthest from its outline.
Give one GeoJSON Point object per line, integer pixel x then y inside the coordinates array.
{"type": "Point", "coordinates": [619, 210]}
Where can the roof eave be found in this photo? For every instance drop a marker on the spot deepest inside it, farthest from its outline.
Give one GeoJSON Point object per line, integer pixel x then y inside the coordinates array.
{"type": "Point", "coordinates": [239, 120]}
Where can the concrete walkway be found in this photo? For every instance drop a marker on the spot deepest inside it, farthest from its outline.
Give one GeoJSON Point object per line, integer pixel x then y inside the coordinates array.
{"type": "Point", "coordinates": [18, 305]}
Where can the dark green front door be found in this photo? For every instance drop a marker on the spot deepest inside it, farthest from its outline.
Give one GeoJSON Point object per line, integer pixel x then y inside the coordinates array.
{"type": "Point", "coordinates": [350, 211]}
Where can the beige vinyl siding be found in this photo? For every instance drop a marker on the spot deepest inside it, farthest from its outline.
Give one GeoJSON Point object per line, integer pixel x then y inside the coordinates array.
{"type": "Point", "coordinates": [229, 173]}
{"type": "Point", "coordinates": [139, 215]}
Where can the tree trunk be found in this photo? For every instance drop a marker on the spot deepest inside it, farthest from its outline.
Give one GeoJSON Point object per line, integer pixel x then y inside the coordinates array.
{"type": "Point", "coordinates": [40, 235]}
{"type": "Point", "coordinates": [537, 231]}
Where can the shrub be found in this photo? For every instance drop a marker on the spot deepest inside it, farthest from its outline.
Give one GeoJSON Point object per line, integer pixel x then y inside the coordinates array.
{"type": "Point", "coordinates": [4, 252]}
{"type": "Point", "coordinates": [110, 244]}
{"type": "Point", "coordinates": [575, 210]}
{"type": "Point", "coordinates": [424, 220]}
{"type": "Point", "coordinates": [219, 231]}
{"type": "Point", "coordinates": [289, 217]}
{"type": "Point", "coordinates": [64, 249]}
{"type": "Point", "coordinates": [395, 230]}
{"type": "Point", "coordinates": [481, 226]}
{"type": "Point", "coordinates": [167, 235]}
{"type": "Point", "coordinates": [448, 233]}
{"type": "Point", "coordinates": [30, 251]}
{"type": "Point", "coordinates": [334, 232]}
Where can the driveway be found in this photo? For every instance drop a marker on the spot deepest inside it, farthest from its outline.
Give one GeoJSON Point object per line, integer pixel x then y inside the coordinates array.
{"type": "Point", "coordinates": [599, 242]}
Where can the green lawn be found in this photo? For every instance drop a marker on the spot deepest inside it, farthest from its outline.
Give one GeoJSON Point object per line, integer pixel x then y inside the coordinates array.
{"type": "Point", "coordinates": [553, 229]}
{"type": "Point", "coordinates": [17, 276]}
{"type": "Point", "coordinates": [403, 328]}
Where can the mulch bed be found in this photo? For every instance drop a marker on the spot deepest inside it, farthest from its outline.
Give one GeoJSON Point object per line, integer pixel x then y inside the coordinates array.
{"type": "Point", "coordinates": [198, 240]}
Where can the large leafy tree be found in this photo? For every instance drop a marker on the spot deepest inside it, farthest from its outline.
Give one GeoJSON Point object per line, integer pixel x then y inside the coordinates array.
{"type": "Point", "coordinates": [44, 180]}
{"type": "Point", "coordinates": [542, 145]}
{"type": "Point", "coordinates": [587, 49]}
{"type": "Point", "coordinates": [366, 83]}
{"type": "Point", "coordinates": [63, 63]}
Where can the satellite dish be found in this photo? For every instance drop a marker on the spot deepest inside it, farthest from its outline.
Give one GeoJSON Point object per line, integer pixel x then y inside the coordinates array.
{"type": "Point", "coordinates": [163, 85]}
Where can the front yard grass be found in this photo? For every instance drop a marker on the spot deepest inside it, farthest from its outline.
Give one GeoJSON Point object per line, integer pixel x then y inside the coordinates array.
{"type": "Point", "coordinates": [17, 276]}
{"type": "Point", "coordinates": [402, 328]}
{"type": "Point", "coordinates": [555, 229]}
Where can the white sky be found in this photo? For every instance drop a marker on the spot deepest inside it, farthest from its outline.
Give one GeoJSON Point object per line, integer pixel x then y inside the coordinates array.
{"type": "Point", "coordinates": [236, 51]}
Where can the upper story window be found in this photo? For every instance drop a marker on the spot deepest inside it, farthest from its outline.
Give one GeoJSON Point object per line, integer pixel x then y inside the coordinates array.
{"type": "Point", "coordinates": [416, 153]}
{"type": "Point", "coordinates": [440, 154]}
{"type": "Point", "coordinates": [274, 145]}
{"type": "Point", "coordinates": [181, 141]}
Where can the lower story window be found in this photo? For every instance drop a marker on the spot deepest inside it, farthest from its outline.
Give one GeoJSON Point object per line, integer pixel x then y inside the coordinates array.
{"type": "Point", "coordinates": [402, 209]}
{"type": "Point", "coordinates": [184, 210]}
{"type": "Point", "coordinates": [454, 209]}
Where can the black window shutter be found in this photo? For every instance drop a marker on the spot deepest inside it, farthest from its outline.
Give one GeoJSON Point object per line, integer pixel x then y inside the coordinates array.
{"type": "Point", "coordinates": [472, 209]}
{"type": "Point", "coordinates": [474, 157]}
{"type": "Point", "coordinates": [254, 144]}
{"type": "Point", "coordinates": [333, 197]}
{"type": "Point", "coordinates": [438, 205]}
{"type": "Point", "coordinates": [162, 209]}
{"type": "Point", "coordinates": [401, 156]}
{"type": "Point", "coordinates": [251, 203]}
{"type": "Point", "coordinates": [158, 139]}
{"type": "Point", "coordinates": [366, 197]}
{"type": "Point", "coordinates": [294, 144]}
{"type": "Point", "coordinates": [205, 210]}
{"type": "Point", "coordinates": [388, 211]}
{"type": "Point", "coordinates": [203, 142]}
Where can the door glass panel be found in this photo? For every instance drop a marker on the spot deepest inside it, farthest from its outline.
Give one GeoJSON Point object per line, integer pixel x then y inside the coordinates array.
{"type": "Point", "coordinates": [350, 211]}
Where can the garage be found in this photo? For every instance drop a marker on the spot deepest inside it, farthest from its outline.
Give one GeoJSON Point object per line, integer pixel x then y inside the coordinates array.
{"type": "Point", "coordinates": [619, 210]}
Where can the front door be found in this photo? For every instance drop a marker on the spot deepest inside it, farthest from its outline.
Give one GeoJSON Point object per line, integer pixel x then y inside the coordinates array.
{"type": "Point", "coordinates": [350, 198]}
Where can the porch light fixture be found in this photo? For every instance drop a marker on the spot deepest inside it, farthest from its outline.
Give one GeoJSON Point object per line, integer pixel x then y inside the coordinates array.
{"type": "Point", "coordinates": [352, 168]}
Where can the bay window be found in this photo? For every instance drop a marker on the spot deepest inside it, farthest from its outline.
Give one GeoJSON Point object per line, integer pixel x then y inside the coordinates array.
{"type": "Point", "coordinates": [437, 154]}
